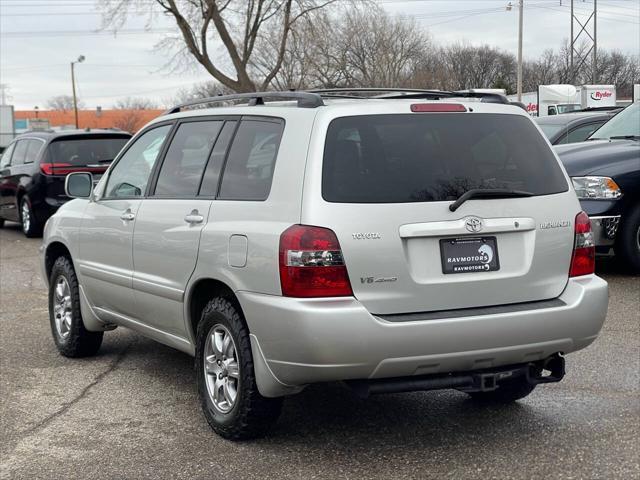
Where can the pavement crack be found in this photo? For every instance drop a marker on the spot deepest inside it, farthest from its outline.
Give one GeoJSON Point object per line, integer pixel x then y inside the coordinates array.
{"type": "Point", "coordinates": [66, 406]}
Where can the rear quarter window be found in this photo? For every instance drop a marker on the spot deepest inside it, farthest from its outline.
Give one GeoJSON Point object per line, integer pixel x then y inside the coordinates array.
{"type": "Point", "coordinates": [251, 161]}
{"type": "Point", "coordinates": [434, 157]}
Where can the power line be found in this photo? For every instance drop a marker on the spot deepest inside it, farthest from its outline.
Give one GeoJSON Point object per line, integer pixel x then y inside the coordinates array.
{"type": "Point", "coordinates": [85, 33]}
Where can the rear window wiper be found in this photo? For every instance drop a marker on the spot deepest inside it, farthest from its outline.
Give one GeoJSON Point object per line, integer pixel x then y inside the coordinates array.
{"type": "Point", "coordinates": [487, 193]}
{"type": "Point", "coordinates": [625, 137]}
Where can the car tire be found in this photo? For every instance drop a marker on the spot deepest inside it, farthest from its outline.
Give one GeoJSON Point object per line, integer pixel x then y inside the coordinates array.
{"type": "Point", "coordinates": [69, 334]}
{"type": "Point", "coordinates": [507, 392]}
{"type": "Point", "coordinates": [247, 414]}
{"type": "Point", "coordinates": [30, 226]}
{"type": "Point", "coordinates": [628, 240]}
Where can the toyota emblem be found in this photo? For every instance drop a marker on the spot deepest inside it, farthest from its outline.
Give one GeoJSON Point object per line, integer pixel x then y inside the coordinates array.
{"type": "Point", "coordinates": [473, 224]}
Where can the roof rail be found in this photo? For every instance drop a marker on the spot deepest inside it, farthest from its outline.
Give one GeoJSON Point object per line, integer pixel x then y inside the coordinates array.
{"type": "Point", "coordinates": [345, 91]}
{"type": "Point", "coordinates": [395, 93]}
{"type": "Point", "coordinates": [305, 99]}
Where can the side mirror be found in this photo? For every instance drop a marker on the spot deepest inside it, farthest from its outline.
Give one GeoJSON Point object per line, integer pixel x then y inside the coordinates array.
{"type": "Point", "coordinates": [78, 185]}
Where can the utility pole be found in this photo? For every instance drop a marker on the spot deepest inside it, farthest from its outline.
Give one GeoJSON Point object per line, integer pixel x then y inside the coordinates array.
{"type": "Point", "coordinates": [73, 87]}
{"type": "Point", "coordinates": [520, 23]}
{"type": "Point", "coordinates": [3, 93]}
{"type": "Point", "coordinates": [578, 58]}
{"type": "Point", "coordinates": [594, 71]}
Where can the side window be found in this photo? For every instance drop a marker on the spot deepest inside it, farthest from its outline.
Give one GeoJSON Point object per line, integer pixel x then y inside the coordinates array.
{"type": "Point", "coordinates": [249, 168]}
{"type": "Point", "coordinates": [583, 132]}
{"type": "Point", "coordinates": [130, 175]}
{"type": "Point", "coordinates": [20, 152]}
{"type": "Point", "coordinates": [212, 173]}
{"type": "Point", "coordinates": [5, 161]}
{"type": "Point", "coordinates": [186, 158]}
{"type": "Point", "coordinates": [34, 148]}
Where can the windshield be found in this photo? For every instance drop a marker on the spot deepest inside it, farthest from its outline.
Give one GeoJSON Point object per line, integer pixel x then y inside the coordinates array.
{"type": "Point", "coordinates": [625, 123]}
{"type": "Point", "coordinates": [435, 157]}
{"type": "Point", "coordinates": [551, 129]}
{"type": "Point", "coordinates": [568, 107]}
{"type": "Point", "coordinates": [86, 150]}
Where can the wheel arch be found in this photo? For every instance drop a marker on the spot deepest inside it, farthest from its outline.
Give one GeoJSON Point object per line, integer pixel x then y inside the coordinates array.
{"type": "Point", "coordinates": [197, 297]}
{"type": "Point", "coordinates": [53, 251]}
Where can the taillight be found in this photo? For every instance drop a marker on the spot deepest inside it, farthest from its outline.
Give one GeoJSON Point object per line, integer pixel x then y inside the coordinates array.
{"type": "Point", "coordinates": [583, 261]}
{"type": "Point", "coordinates": [67, 168]}
{"type": "Point", "coordinates": [55, 168]}
{"type": "Point", "coordinates": [311, 263]}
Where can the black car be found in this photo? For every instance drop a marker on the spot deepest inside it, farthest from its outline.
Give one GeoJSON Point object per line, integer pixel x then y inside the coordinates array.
{"type": "Point", "coordinates": [573, 127]}
{"type": "Point", "coordinates": [34, 166]}
{"type": "Point", "coordinates": [605, 171]}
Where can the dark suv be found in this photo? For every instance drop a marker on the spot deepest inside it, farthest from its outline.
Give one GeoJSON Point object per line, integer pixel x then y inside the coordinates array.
{"type": "Point", "coordinates": [34, 166]}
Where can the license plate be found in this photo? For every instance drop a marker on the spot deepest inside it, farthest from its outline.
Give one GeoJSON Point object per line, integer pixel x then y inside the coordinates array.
{"type": "Point", "coordinates": [469, 255]}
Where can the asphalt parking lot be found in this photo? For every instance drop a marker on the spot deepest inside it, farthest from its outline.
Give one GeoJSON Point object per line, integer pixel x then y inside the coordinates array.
{"type": "Point", "coordinates": [133, 412]}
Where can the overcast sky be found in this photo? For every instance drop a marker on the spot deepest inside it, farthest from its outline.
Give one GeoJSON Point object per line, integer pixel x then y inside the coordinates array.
{"type": "Point", "coordinates": [38, 39]}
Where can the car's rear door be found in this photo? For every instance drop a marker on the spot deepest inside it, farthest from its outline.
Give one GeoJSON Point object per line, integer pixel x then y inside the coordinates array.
{"type": "Point", "coordinates": [385, 187]}
{"type": "Point", "coordinates": [105, 238]}
{"type": "Point", "coordinates": [170, 220]}
{"type": "Point", "coordinates": [8, 208]}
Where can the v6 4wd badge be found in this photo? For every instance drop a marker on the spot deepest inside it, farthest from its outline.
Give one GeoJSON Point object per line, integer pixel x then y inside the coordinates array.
{"type": "Point", "coordinates": [377, 280]}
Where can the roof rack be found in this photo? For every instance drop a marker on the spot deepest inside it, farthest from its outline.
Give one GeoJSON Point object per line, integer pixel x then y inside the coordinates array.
{"type": "Point", "coordinates": [395, 93]}
{"type": "Point", "coordinates": [346, 91]}
{"type": "Point", "coordinates": [305, 99]}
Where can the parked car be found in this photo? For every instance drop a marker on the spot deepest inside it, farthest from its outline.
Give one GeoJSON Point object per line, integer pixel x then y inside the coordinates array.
{"type": "Point", "coordinates": [34, 167]}
{"type": "Point", "coordinates": [572, 127]}
{"type": "Point", "coordinates": [605, 171]}
{"type": "Point", "coordinates": [321, 239]}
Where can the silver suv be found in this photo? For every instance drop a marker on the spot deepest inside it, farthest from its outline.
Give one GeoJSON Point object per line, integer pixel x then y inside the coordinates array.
{"type": "Point", "coordinates": [413, 241]}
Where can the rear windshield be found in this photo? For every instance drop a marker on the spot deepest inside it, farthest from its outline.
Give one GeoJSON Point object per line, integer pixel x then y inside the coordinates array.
{"type": "Point", "coordinates": [434, 157]}
{"type": "Point", "coordinates": [86, 150]}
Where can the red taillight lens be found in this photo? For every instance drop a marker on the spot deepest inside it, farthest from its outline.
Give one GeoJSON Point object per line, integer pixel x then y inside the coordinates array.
{"type": "Point", "coordinates": [583, 261]}
{"type": "Point", "coordinates": [437, 107]}
{"type": "Point", "coordinates": [311, 263]}
{"type": "Point", "coordinates": [54, 168]}
{"type": "Point", "coordinates": [67, 168]}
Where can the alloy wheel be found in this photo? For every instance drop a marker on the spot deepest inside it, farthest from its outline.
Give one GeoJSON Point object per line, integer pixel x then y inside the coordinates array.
{"type": "Point", "coordinates": [25, 214]}
{"type": "Point", "coordinates": [62, 307]}
{"type": "Point", "coordinates": [221, 368]}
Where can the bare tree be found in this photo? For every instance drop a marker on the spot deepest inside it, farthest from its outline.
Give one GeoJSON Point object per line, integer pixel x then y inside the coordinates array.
{"type": "Point", "coordinates": [238, 25]}
{"type": "Point", "coordinates": [382, 50]}
{"type": "Point", "coordinates": [541, 71]}
{"type": "Point", "coordinates": [129, 121]}
{"type": "Point", "coordinates": [62, 103]}
{"type": "Point", "coordinates": [196, 91]}
{"type": "Point", "coordinates": [135, 103]}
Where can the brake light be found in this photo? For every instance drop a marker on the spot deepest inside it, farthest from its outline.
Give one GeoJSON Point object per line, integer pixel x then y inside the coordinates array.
{"type": "Point", "coordinates": [48, 168]}
{"type": "Point", "coordinates": [583, 261]}
{"type": "Point", "coordinates": [437, 107]}
{"type": "Point", "coordinates": [311, 263]}
{"type": "Point", "coordinates": [67, 168]}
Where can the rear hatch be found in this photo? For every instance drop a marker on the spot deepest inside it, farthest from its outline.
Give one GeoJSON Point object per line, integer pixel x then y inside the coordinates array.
{"type": "Point", "coordinates": [384, 184]}
{"type": "Point", "coordinates": [83, 153]}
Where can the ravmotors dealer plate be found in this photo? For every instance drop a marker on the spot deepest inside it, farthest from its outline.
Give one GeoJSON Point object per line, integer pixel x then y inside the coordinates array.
{"type": "Point", "coordinates": [469, 255]}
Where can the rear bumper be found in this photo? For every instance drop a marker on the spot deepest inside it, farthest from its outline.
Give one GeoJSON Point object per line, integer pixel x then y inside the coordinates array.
{"type": "Point", "coordinates": [301, 341]}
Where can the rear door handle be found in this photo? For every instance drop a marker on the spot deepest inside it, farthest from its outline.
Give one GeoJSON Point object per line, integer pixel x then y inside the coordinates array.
{"type": "Point", "coordinates": [127, 216]}
{"type": "Point", "coordinates": [194, 217]}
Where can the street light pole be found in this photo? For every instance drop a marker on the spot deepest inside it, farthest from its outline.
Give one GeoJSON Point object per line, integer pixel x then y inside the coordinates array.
{"type": "Point", "coordinates": [520, 23]}
{"type": "Point", "coordinates": [73, 88]}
